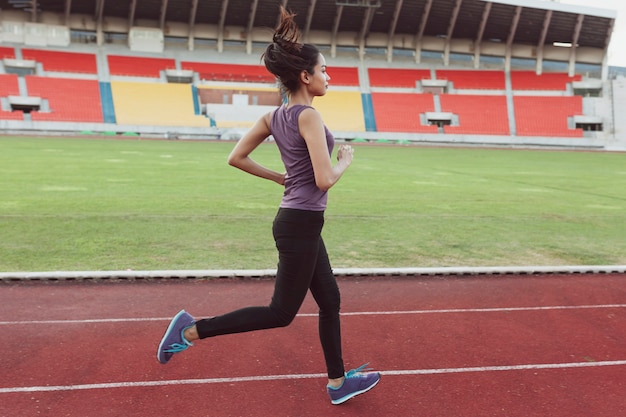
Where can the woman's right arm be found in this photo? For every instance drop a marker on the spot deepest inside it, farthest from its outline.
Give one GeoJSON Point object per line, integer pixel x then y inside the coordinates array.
{"type": "Point", "coordinates": [312, 130]}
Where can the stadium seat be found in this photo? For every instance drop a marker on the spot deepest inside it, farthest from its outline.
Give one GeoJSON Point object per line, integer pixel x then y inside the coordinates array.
{"type": "Point", "coordinates": [473, 79]}
{"type": "Point", "coordinates": [400, 112]}
{"type": "Point", "coordinates": [59, 61]}
{"type": "Point", "coordinates": [7, 52]}
{"type": "Point", "coordinates": [11, 115]}
{"type": "Point", "coordinates": [529, 80]}
{"type": "Point", "coordinates": [230, 72]}
{"type": "Point", "coordinates": [81, 105]}
{"type": "Point", "coordinates": [546, 116]}
{"type": "Point", "coordinates": [478, 115]}
{"type": "Point", "coordinates": [344, 76]}
{"type": "Point", "coordinates": [9, 87]}
{"type": "Point", "coordinates": [155, 104]}
{"type": "Point", "coordinates": [396, 77]}
{"type": "Point", "coordinates": [133, 66]}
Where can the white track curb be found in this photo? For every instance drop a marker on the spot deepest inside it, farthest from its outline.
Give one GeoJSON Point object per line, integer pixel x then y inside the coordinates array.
{"type": "Point", "coordinates": [269, 273]}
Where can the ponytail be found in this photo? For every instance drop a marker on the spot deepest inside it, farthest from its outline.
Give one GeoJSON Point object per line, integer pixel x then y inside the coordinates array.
{"type": "Point", "coordinates": [286, 57]}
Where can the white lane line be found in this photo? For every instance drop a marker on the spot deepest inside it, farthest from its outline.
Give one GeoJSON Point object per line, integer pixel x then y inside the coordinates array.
{"type": "Point", "coordinates": [354, 313]}
{"type": "Point", "coordinates": [141, 384]}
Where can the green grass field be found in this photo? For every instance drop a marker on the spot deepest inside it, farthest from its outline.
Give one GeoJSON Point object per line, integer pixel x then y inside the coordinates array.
{"type": "Point", "coordinates": [109, 204]}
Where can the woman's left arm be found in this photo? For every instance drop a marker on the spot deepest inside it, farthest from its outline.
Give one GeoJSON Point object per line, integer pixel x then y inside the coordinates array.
{"type": "Point", "coordinates": [240, 155]}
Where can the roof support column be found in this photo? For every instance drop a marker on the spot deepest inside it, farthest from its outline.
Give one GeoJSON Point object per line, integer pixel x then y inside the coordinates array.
{"type": "Point", "coordinates": [509, 41]}
{"type": "Point", "coordinates": [220, 27]}
{"type": "Point", "coordinates": [192, 25]}
{"type": "Point", "coordinates": [572, 52]}
{"type": "Point", "coordinates": [365, 30]}
{"type": "Point", "coordinates": [542, 40]}
{"type": "Point", "coordinates": [309, 18]}
{"type": "Point", "coordinates": [333, 39]}
{"type": "Point", "coordinates": [162, 15]}
{"type": "Point", "coordinates": [455, 15]}
{"type": "Point", "coordinates": [99, 28]}
{"type": "Point", "coordinates": [605, 60]}
{"type": "Point", "coordinates": [284, 4]}
{"type": "Point", "coordinates": [131, 14]}
{"type": "Point", "coordinates": [420, 34]}
{"type": "Point", "coordinates": [68, 8]}
{"type": "Point", "coordinates": [251, 18]}
{"type": "Point", "coordinates": [481, 31]}
{"type": "Point", "coordinates": [392, 30]}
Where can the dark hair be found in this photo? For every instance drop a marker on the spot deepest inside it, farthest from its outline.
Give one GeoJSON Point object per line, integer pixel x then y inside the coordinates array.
{"type": "Point", "coordinates": [286, 57]}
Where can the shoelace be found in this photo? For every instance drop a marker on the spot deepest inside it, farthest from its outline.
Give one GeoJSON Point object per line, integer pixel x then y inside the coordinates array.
{"type": "Point", "coordinates": [179, 347]}
{"type": "Point", "coordinates": [176, 347]}
{"type": "Point", "coordinates": [355, 373]}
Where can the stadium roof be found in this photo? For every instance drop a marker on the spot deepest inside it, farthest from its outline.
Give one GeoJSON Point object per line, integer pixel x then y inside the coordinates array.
{"type": "Point", "coordinates": [525, 28]}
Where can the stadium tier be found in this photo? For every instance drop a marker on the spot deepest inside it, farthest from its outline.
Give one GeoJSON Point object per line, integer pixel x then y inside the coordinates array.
{"type": "Point", "coordinates": [393, 101]}
{"type": "Point", "coordinates": [344, 76]}
{"type": "Point", "coordinates": [342, 111]}
{"type": "Point", "coordinates": [478, 115]}
{"type": "Point", "coordinates": [7, 52]}
{"type": "Point", "coordinates": [139, 66]}
{"type": "Point", "coordinates": [529, 80]}
{"type": "Point", "coordinates": [9, 85]}
{"type": "Point", "coordinates": [144, 103]}
{"type": "Point", "coordinates": [400, 112]}
{"type": "Point", "coordinates": [58, 61]}
{"type": "Point", "coordinates": [473, 79]}
{"type": "Point", "coordinates": [392, 77]}
{"type": "Point", "coordinates": [547, 116]}
{"type": "Point", "coordinates": [229, 72]}
{"type": "Point", "coordinates": [69, 100]}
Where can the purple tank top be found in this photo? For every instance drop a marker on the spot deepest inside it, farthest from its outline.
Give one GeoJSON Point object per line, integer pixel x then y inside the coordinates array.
{"type": "Point", "coordinates": [300, 189]}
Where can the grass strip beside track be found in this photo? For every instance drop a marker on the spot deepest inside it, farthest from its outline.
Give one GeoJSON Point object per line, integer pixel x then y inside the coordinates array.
{"type": "Point", "coordinates": [107, 204]}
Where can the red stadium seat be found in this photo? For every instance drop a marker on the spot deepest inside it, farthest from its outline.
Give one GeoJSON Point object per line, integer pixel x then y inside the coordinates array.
{"type": "Point", "coordinates": [396, 77]}
{"type": "Point", "coordinates": [546, 116]}
{"type": "Point", "coordinates": [344, 76]}
{"type": "Point", "coordinates": [63, 61]}
{"type": "Point", "coordinates": [82, 105]}
{"type": "Point", "coordinates": [230, 72]}
{"type": "Point", "coordinates": [7, 52]}
{"type": "Point", "coordinates": [529, 80]}
{"type": "Point", "coordinates": [478, 115]}
{"type": "Point", "coordinates": [400, 112]}
{"type": "Point", "coordinates": [139, 66]}
{"type": "Point", "coordinates": [9, 87]}
{"type": "Point", "coordinates": [473, 79]}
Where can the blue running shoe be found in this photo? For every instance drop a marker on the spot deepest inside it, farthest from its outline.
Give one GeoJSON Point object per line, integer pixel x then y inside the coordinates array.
{"type": "Point", "coordinates": [355, 383]}
{"type": "Point", "coordinates": [173, 341]}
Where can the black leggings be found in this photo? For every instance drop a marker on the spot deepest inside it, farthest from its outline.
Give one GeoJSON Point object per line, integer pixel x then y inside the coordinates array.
{"type": "Point", "coordinates": [302, 265]}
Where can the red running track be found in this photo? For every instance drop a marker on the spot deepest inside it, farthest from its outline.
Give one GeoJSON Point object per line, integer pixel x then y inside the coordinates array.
{"type": "Point", "coordinates": [472, 346]}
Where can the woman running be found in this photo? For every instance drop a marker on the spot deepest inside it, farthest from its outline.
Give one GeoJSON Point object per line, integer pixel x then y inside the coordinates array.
{"type": "Point", "coordinates": [305, 146]}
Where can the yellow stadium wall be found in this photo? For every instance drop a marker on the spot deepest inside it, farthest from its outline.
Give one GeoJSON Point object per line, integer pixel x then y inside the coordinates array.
{"type": "Point", "coordinates": [342, 111]}
{"type": "Point", "coordinates": [155, 104]}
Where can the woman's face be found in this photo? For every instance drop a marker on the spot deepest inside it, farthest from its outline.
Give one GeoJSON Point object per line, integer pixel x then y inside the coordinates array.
{"type": "Point", "coordinates": [319, 79]}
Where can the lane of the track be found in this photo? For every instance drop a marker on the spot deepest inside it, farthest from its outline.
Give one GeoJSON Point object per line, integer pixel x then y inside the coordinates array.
{"type": "Point", "coordinates": [82, 300]}
{"type": "Point", "coordinates": [77, 353]}
{"type": "Point", "coordinates": [82, 353]}
{"type": "Point", "coordinates": [562, 393]}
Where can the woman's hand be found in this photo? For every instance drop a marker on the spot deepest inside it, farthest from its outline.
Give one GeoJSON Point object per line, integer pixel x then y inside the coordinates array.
{"type": "Point", "coordinates": [345, 153]}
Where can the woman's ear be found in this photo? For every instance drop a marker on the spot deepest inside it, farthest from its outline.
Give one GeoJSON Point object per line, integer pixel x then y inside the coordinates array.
{"type": "Point", "coordinates": [304, 77]}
